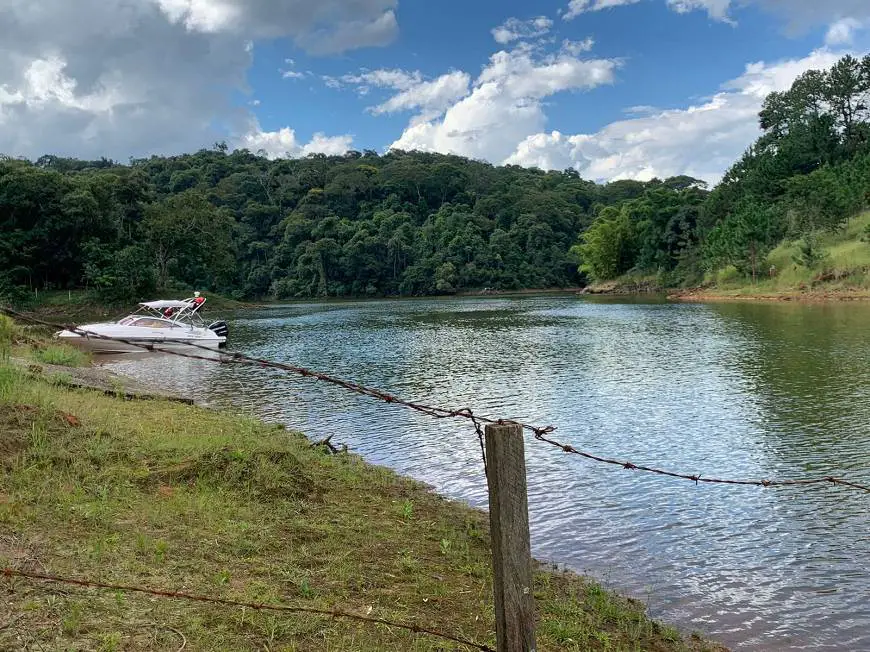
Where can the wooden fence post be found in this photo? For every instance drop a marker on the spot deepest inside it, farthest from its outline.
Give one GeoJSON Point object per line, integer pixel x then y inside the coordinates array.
{"type": "Point", "coordinates": [509, 531]}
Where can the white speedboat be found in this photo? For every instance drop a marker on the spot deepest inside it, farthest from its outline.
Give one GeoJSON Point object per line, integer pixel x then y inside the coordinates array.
{"type": "Point", "coordinates": [165, 323]}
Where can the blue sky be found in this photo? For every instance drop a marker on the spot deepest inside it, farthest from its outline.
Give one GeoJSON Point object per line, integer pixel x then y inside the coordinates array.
{"type": "Point", "coordinates": [612, 88]}
{"type": "Point", "coordinates": [669, 60]}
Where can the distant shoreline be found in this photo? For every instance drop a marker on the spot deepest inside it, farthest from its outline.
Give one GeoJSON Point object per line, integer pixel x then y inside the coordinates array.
{"type": "Point", "coordinates": [819, 295]}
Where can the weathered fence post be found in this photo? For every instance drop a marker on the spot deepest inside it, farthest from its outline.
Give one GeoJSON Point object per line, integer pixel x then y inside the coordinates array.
{"type": "Point", "coordinates": [511, 547]}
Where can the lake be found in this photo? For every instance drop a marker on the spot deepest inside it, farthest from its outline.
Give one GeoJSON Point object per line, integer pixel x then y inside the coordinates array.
{"type": "Point", "coordinates": [744, 390]}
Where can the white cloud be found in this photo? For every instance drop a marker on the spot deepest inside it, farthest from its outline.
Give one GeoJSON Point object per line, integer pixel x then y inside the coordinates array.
{"type": "Point", "coordinates": [505, 104]}
{"type": "Point", "coordinates": [394, 78]}
{"type": "Point", "coordinates": [432, 98]}
{"type": "Point", "coordinates": [201, 15]}
{"type": "Point", "coordinates": [701, 141]}
{"type": "Point", "coordinates": [514, 29]}
{"type": "Point", "coordinates": [842, 32]}
{"type": "Point", "coordinates": [283, 143]}
{"type": "Point", "coordinates": [520, 77]}
{"type": "Point", "coordinates": [290, 73]}
{"type": "Point", "coordinates": [45, 83]}
{"type": "Point", "coordinates": [429, 98]}
{"type": "Point", "coordinates": [641, 109]}
{"type": "Point", "coordinates": [577, 7]}
{"type": "Point", "coordinates": [121, 77]}
{"type": "Point", "coordinates": [717, 9]}
{"type": "Point", "coordinates": [577, 47]}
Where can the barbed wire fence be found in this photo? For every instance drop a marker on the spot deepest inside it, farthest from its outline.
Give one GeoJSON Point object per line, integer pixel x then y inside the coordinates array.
{"type": "Point", "coordinates": [256, 606]}
{"type": "Point", "coordinates": [541, 433]}
{"type": "Point", "coordinates": [502, 453]}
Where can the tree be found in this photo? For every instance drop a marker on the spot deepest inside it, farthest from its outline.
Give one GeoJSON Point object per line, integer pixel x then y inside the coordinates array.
{"type": "Point", "coordinates": [744, 238]}
{"type": "Point", "coordinates": [607, 249]}
{"type": "Point", "coordinates": [190, 239]}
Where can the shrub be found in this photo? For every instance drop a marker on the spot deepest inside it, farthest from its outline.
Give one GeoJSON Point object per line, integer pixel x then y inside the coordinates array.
{"type": "Point", "coordinates": [810, 254]}
{"type": "Point", "coordinates": [728, 274]}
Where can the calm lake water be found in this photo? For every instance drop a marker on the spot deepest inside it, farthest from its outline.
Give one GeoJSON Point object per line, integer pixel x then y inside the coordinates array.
{"type": "Point", "coordinates": [729, 390]}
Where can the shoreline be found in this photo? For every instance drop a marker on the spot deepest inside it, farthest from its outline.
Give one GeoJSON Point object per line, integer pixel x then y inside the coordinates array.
{"type": "Point", "coordinates": [411, 553]}
{"type": "Point", "coordinates": [821, 295]}
{"type": "Point", "coordinates": [818, 294]}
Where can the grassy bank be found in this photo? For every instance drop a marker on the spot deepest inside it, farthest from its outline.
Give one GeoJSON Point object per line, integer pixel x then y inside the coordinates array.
{"type": "Point", "coordinates": [183, 498]}
{"type": "Point", "coordinates": [842, 273]}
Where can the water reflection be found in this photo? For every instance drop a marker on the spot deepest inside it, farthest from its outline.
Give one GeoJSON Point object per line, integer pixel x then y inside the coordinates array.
{"type": "Point", "coordinates": [732, 390]}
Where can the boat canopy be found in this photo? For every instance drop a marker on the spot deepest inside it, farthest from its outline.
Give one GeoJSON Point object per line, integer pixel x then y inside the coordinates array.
{"type": "Point", "coordinates": [166, 303]}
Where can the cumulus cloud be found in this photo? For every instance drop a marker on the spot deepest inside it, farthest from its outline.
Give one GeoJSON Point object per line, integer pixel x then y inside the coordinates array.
{"type": "Point", "coordinates": [115, 77]}
{"type": "Point", "coordinates": [284, 144]}
{"type": "Point", "coordinates": [514, 29]}
{"type": "Point", "coordinates": [431, 98]}
{"type": "Point", "coordinates": [505, 104]}
{"type": "Point", "coordinates": [701, 140]}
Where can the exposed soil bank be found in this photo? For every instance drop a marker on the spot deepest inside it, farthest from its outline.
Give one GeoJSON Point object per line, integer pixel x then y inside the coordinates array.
{"type": "Point", "coordinates": [816, 295]}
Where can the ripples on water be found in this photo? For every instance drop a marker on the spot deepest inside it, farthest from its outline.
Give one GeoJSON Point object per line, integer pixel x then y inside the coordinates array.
{"type": "Point", "coordinates": [724, 390]}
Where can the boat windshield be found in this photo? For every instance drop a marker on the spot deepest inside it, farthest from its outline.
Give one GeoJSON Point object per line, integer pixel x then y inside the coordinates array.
{"type": "Point", "coordinates": [153, 322]}
{"type": "Point", "coordinates": [148, 322]}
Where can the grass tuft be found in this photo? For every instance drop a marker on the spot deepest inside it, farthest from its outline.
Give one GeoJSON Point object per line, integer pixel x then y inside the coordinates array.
{"type": "Point", "coordinates": [10, 334]}
{"type": "Point", "coordinates": [61, 355]}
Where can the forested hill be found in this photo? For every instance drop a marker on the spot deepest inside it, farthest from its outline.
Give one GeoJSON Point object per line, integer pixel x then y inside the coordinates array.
{"type": "Point", "coordinates": [415, 223]}
{"type": "Point", "coordinates": [240, 224]}
{"type": "Point", "coordinates": [795, 189]}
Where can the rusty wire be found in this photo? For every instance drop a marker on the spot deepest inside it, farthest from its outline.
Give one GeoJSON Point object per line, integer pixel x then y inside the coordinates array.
{"type": "Point", "coordinates": [541, 433]}
{"type": "Point", "coordinates": [334, 613]}
{"type": "Point", "coordinates": [697, 477]}
{"type": "Point", "coordinates": [242, 358]}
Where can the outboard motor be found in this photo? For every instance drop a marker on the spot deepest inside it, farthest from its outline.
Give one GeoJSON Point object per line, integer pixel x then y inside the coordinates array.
{"type": "Point", "coordinates": [220, 329]}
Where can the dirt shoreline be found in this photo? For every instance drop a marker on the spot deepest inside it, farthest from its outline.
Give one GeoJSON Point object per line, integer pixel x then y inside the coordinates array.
{"type": "Point", "coordinates": [796, 296]}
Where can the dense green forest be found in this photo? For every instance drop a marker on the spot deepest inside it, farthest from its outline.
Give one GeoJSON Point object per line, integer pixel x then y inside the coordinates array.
{"type": "Point", "coordinates": [240, 224]}
{"type": "Point", "coordinates": [411, 223]}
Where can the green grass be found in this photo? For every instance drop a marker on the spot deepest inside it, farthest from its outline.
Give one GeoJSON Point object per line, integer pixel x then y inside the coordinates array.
{"type": "Point", "coordinates": [61, 355]}
{"type": "Point", "coordinates": [10, 333]}
{"type": "Point", "coordinates": [180, 497]}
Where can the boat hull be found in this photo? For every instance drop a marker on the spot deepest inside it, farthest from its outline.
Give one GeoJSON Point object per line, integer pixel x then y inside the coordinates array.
{"type": "Point", "coordinates": [137, 342]}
